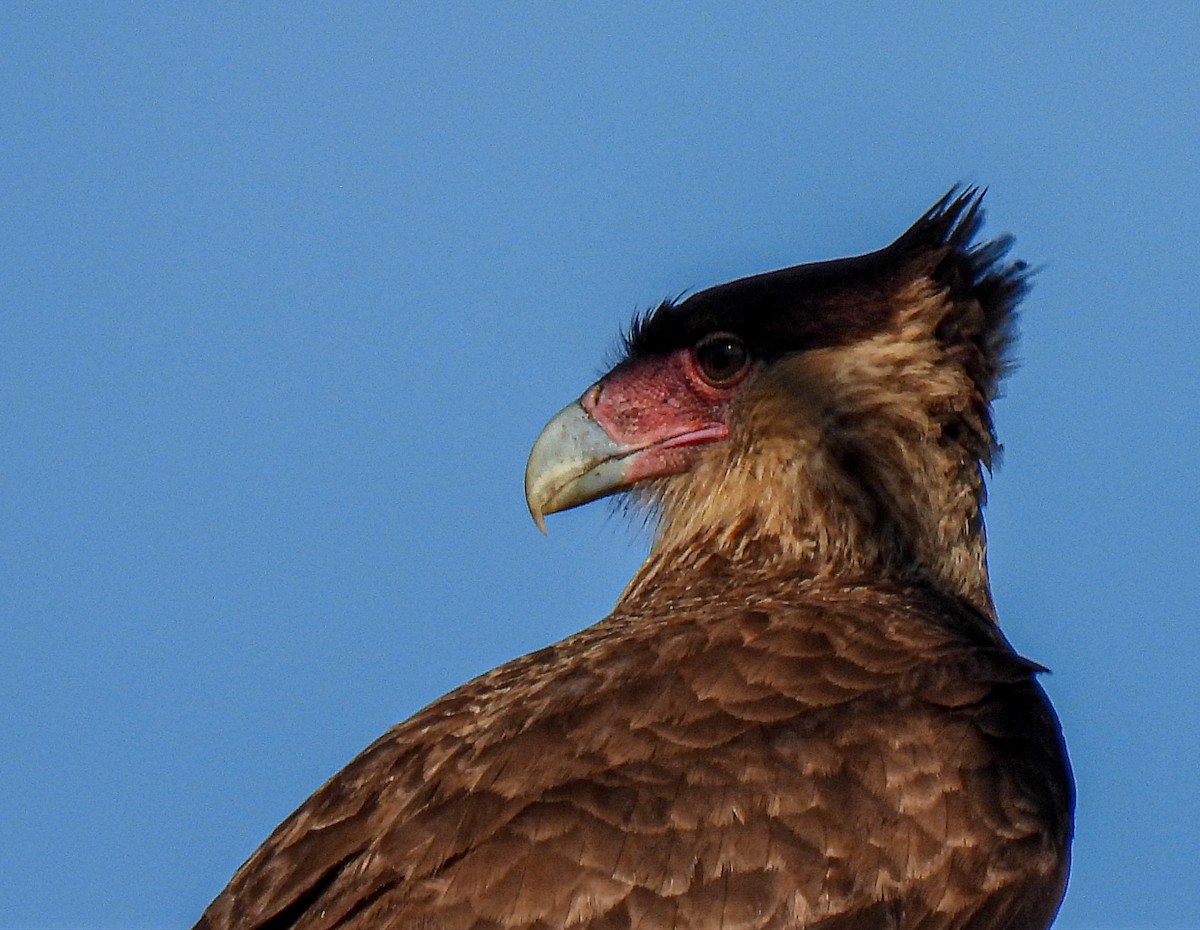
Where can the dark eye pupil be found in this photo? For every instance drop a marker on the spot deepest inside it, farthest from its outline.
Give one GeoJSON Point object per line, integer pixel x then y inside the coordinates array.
{"type": "Point", "coordinates": [721, 358]}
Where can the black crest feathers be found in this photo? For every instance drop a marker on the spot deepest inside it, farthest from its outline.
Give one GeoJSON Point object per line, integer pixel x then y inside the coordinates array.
{"type": "Point", "coordinates": [841, 301]}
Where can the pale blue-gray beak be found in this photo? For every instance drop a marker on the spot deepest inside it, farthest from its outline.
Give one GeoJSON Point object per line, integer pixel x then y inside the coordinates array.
{"type": "Point", "coordinates": [572, 462]}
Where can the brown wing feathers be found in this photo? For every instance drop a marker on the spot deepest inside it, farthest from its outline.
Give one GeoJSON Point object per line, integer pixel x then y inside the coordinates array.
{"type": "Point", "coordinates": [727, 771]}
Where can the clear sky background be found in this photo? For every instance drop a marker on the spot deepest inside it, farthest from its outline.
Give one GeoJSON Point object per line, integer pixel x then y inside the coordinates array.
{"type": "Point", "coordinates": [289, 289]}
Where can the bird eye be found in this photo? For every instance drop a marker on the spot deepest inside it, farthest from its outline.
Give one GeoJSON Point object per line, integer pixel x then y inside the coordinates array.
{"type": "Point", "coordinates": [722, 359]}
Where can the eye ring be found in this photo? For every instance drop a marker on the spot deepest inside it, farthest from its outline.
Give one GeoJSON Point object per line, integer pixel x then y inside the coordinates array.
{"type": "Point", "coordinates": [721, 359]}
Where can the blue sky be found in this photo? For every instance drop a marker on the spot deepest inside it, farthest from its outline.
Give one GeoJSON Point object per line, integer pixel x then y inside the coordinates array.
{"type": "Point", "coordinates": [290, 289]}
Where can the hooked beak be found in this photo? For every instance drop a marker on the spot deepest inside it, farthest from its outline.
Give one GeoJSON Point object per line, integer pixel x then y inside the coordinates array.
{"type": "Point", "coordinates": [586, 451]}
{"type": "Point", "coordinates": [572, 462]}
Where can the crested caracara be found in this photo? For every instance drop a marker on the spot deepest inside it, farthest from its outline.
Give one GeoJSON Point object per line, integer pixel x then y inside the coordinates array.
{"type": "Point", "coordinates": [801, 712]}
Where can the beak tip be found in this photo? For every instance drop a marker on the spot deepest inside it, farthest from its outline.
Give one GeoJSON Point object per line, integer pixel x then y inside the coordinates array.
{"type": "Point", "coordinates": [535, 501]}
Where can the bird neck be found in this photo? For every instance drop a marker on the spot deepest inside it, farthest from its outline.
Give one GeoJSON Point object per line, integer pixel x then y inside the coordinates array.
{"type": "Point", "coordinates": [901, 510]}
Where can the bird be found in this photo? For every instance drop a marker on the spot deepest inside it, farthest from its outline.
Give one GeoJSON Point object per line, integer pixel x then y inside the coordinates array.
{"type": "Point", "coordinates": [801, 712]}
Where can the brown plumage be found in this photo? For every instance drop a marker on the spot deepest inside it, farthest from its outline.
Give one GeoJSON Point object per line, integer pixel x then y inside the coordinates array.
{"type": "Point", "coordinates": [801, 712]}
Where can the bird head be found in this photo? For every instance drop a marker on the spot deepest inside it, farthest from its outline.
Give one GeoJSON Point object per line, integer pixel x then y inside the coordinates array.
{"type": "Point", "coordinates": [831, 418]}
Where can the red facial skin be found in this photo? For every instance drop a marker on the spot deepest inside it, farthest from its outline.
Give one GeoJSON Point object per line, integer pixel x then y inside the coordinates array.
{"type": "Point", "coordinates": [659, 408]}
